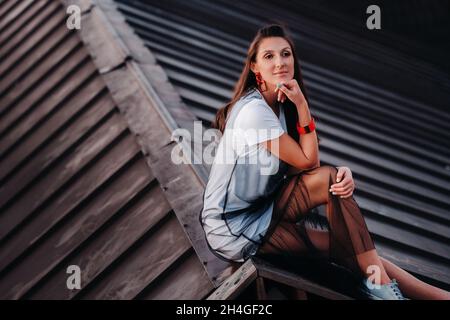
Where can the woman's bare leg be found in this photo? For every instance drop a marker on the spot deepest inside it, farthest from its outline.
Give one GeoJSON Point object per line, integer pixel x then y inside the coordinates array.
{"type": "Point", "coordinates": [369, 259]}
{"type": "Point", "coordinates": [320, 239]}
{"type": "Point", "coordinates": [411, 286]}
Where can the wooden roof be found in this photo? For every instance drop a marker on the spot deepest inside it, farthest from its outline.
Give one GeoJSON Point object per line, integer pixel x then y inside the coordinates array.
{"type": "Point", "coordinates": [383, 111]}
{"type": "Point", "coordinates": [85, 140]}
{"type": "Point", "coordinates": [85, 171]}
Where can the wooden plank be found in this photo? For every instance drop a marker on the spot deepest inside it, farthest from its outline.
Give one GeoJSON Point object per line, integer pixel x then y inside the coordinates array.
{"type": "Point", "coordinates": [373, 113]}
{"type": "Point", "coordinates": [63, 132]}
{"type": "Point", "coordinates": [112, 240]}
{"type": "Point", "coordinates": [50, 156]}
{"type": "Point", "coordinates": [76, 70]}
{"type": "Point", "coordinates": [394, 149]}
{"type": "Point", "coordinates": [32, 168]}
{"type": "Point", "coordinates": [40, 51]}
{"type": "Point", "coordinates": [78, 192]}
{"type": "Point", "coordinates": [175, 18]}
{"type": "Point", "coordinates": [142, 265]}
{"type": "Point", "coordinates": [366, 128]}
{"type": "Point", "coordinates": [161, 41]}
{"type": "Point", "coordinates": [7, 6]}
{"type": "Point", "coordinates": [228, 57]}
{"type": "Point", "coordinates": [25, 48]}
{"type": "Point", "coordinates": [113, 54]}
{"type": "Point", "coordinates": [435, 188]}
{"type": "Point", "coordinates": [428, 209]}
{"type": "Point", "coordinates": [279, 291]}
{"type": "Point", "coordinates": [323, 15]}
{"type": "Point", "coordinates": [12, 15]}
{"type": "Point", "coordinates": [236, 283]}
{"type": "Point", "coordinates": [160, 49]}
{"type": "Point", "coordinates": [409, 238]}
{"type": "Point", "coordinates": [83, 221]}
{"type": "Point", "coordinates": [61, 173]}
{"type": "Point", "coordinates": [340, 39]}
{"type": "Point", "coordinates": [378, 94]}
{"type": "Point", "coordinates": [402, 216]}
{"type": "Point", "coordinates": [261, 293]}
{"type": "Point", "coordinates": [187, 281]}
{"type": "Point", "coordinates": [267, 270]}
{"type": "Point", "coordinates": [414, 262]}
{"type": "Point", "coordinates": [48, 65]}
{"type": "Point", "coordinates": [35, 111]}
{"type": "Point", "coordinates": [181, 63]}
{"type": "Point", "coordinates": [19, 23]}
{"type": "Point", "coordinates": [300, 294]}
{"type": "Point", "coordinates": [140, 15]}
{"type": "Point", "coordinates": [374, 97]}
{"type": "Point", "coordinates": [21, 35]}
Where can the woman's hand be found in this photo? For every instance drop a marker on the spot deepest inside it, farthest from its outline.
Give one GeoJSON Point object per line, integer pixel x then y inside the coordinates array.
{"type": "Point", "coordinates": [345, 186]}
{"type": "Point", "coordinates": [292, 91]}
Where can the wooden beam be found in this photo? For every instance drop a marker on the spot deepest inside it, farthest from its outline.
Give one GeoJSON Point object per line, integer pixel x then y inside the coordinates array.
{"type": "Point", "coordinates": [236, 283]}
{"type": "Point", "coordinates": [261, 293]}
{"type": "Point", "coordinates": [269, 271]}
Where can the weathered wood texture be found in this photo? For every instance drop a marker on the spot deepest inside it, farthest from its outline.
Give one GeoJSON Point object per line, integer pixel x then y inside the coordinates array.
{"type": "Point", "coordinates": [236, 283]}
{"type": "Point", "coordinates": [145, 102]}
{"type": "Point", "coordinates": [77, 184]}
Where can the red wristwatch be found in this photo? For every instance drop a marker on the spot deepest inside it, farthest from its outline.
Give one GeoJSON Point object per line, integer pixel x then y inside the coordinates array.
{"type": "Point", "coordinates": [306, 129]}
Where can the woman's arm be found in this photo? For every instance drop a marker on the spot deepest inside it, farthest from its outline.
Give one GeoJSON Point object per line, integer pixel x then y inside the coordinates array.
{"type": "Point", "coordinates": [293, 170]}
{"type": "Point", "coordinates": [303, 154]}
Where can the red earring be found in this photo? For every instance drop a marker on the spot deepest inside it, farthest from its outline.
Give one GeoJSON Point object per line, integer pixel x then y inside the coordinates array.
{"type": "Point", "coordinates": [261, 83]}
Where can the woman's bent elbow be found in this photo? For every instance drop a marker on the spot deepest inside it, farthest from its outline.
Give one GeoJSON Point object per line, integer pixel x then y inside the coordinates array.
{"type": "Point", "coordinates": [307, 164]}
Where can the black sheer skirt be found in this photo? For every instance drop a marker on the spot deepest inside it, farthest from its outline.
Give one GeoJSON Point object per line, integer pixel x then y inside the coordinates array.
{"type": "Point", "coordinates": [338, 238]}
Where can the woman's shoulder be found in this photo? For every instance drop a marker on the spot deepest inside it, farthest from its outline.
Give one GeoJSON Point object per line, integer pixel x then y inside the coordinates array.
{"type": "Point", "coordinates": [252, 104]}
{"type": "Point", "coordinates": [255, 110]}
{"type": "Point", "coordinates": [247, 104]}
{"type": "Point", "coordinates": [250, 96]}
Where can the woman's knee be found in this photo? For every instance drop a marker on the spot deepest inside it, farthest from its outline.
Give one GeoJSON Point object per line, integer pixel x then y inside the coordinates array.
{"type": "Point", "coordinates": [320, 177]}
{"type": "Point", "coordinates": [331, 173]}
{"type": "Point", "coordinates": [310, 189]}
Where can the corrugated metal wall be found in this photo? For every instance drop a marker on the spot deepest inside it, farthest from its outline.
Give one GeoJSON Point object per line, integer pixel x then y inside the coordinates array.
{"type": "Point", "coordinates": [365, 95]}
{"type": "Point", "coordinates": [75, 188]}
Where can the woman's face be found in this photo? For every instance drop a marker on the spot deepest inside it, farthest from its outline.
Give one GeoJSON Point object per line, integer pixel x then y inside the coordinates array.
{"type": "Point", "coordinates": [274, 60]}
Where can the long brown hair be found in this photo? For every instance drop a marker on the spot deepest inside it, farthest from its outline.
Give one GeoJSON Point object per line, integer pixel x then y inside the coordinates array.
{"type": "Point", "coordinates": [247, 80]}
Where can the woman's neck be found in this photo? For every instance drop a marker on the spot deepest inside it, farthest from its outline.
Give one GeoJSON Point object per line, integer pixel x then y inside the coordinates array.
{"type": "Point", "coordinates": [271, 100]}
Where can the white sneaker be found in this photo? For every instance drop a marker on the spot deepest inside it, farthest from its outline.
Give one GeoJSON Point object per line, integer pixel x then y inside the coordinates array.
{"type": "Point", "coordinates": [388, 291]}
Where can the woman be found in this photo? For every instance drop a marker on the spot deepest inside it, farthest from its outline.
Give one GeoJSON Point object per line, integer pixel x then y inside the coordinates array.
{"type": "Point", "coordinates": [266, 178]}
